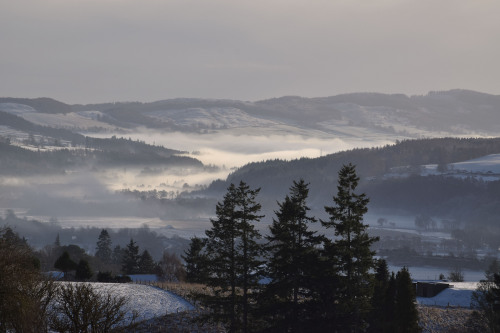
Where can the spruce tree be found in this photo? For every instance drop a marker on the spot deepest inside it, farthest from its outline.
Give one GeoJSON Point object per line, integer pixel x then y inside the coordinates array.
{"type": "Point", "coordinates": [103, 249]}
{"type": "Point", "coordinates": [292, 256]}
{"type": "Point", "coordinates": [146, 263]}
{"type": "Point", "coordinates": [249, 249]}
{"type": "Point", "coordinates": [130, 259]}
{"type": "Point", "coordinates": [382, 302]}
{"type": "Point", "coordinates": [352, 251]}
{"type": "Point", "coordinates": [232, 253]}
{"type": "Point", "coordinates": [406, 313]}
{"type": "Point", "coordinates": [195, 259]}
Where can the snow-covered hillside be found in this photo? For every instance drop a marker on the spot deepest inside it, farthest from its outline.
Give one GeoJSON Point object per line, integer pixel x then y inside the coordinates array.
{"type": "Point", "coordinates": [485, 168]}
{"type": "Point", "coordinates": [74, 120]}
{"type": "Point", "coordinates": [215, 118]}
{"type": "Point", "coordinates": [147, 301]}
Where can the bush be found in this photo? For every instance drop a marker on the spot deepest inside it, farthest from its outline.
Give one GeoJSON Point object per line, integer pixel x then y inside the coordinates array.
{"type": "Point", "coordinates": [79, 308]}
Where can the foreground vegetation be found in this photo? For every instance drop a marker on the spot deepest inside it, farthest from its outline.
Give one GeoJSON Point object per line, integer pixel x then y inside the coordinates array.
{"type": "Point", "coordinates": [297, 280]}
{"type": "Point", "coordinates": [292, 280]}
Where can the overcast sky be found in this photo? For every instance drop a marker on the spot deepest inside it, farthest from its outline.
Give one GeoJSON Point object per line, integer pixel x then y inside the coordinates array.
{"type": "Point", "coordinates": [87, 51]}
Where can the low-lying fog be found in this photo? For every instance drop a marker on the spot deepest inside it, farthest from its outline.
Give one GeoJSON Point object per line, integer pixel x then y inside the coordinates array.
{"type": "Point", "coordinates": [93, 198]}
{"type": "Point", "coordinates": [232, 149]}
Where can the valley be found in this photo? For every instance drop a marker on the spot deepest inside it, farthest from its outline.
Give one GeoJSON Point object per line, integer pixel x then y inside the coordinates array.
{"type": "Point", "coordinates": [165, 164]}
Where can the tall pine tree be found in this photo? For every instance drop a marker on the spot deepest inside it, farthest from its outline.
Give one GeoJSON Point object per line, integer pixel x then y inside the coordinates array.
{"type": "Point", "coordinates": [383, 299]}
{"type": "Point", "coordinates": [146, 263]}
{"type": "Point", "coordinates": [195, 260]}
{"type": "Point", "coordinates": [130, 259]}
{"type": "Point", "coordinates": [292, 256]}
{"type": "Point", "coordinates": [103, 249]}
{"type": "Point", "coordinates": [351, 250]}
{"type": "Point", "coordinates": [406, 313]}
{"type": "Point", "coordinates": [232, 251]}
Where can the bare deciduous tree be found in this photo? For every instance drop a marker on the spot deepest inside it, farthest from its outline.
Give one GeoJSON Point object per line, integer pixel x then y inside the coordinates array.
{"type": "Point", "coordinates": [80, 308]}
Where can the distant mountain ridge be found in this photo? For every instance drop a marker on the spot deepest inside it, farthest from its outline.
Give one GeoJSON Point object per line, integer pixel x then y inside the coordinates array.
{"type": "Point", "coordinates": [446, 113]}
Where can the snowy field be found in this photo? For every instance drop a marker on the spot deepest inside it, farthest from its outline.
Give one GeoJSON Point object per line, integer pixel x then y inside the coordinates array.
{"type": "Point", "coordinates": [458, 295]}
{"type": "Point", "coordinates": [147, 301]}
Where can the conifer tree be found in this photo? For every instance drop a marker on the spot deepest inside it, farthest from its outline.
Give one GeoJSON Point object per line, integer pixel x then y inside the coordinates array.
{"type": "Point", "coordinates": [83, 271]}
{"type": "Point", "coordinates": [493, 268]}
{"type": "Point", "coordinates": [195, 258]}
{"type": "Point", "coordinates": [65, 263]}
{"type": "Point", "coordinates": [406, 313]}
{"type": "Point", "coordinates": [117, 255]}
{"type": "Point", "coordinates": [292, 255]}
{"type": "Point", "coordinates": [103, 249]}
{"type": "Point", "coordinates": [146, 263]}
{"type": "Point", "coordinates": [352, 251]}
{"type": "Point", "coordinates": [130, 260]}
{"type": "Point", "coordinates": [382, 302]}
{"type": "Point", "coordinates": [390, 304]}
{"type": "Point", "coordinates": [232, 253]}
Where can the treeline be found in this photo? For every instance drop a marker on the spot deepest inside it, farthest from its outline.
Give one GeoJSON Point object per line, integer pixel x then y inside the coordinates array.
{"type": "Point", "coordinates": [41, 236]}
{"type": "Point", "coordinates": [100, 152]}
{"type": "Point", "coordinates": [467, 200]}
{"type": "Point", "coordinates": [111, 263]}
{"type": "Point", "coordinates": [295, 279]}
{"type": "Point", "coordinates": [371, 162]}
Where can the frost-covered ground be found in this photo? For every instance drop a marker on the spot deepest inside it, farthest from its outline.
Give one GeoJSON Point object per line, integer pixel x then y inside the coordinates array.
{"type": "Point", "coordinates": [459, 294]}
{"type": "Point", "coordinates": [148, 301]}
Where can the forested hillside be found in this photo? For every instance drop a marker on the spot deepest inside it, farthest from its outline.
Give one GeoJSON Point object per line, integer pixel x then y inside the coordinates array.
{"type": "Point", "coordinates": [392, 178]}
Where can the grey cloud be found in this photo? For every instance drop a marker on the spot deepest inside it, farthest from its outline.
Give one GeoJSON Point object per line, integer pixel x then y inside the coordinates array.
{"type": "Point", "coordinates": [93, 51]}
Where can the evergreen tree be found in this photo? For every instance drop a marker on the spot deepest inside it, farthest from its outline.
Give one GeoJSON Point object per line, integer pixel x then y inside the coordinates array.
{"type": "Point", "coordinates": [195, 258]}
{"type": "Point", "coordinates": [103, 249]}
{"type": "Point", "coordinates": [486, 298]}
{"type": "Point", "coordinates": [390, 304]}
{"type": "Point", "coordinates": [292, 255]}
{"type": "Point", "coordinates": [117, 255]}
{"type": "Point", "coordinates": [146, 263]}
{"type": "Point", "coordinates": [83, 271]}
{"type": "Point", "coordinates": [493, 268]}
{"type": "Point", "coordinates": [406, 313]}
{"type": "Point", "coordinates": [65, 264]}
{"type": "Point", "coordinates": [232, 253]}
{"type": "Point", "coordinates": [352, 249]}
{"type": "Point", "coordinates": [57, 242]}
{"type": "Point", "coordinates": [382, 301]}
{"type": "Point", "coordinates": [130, 259]}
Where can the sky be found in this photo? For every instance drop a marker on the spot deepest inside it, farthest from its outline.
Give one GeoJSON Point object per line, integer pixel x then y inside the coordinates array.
{"type": "Point", "coordinates": [92, 51]}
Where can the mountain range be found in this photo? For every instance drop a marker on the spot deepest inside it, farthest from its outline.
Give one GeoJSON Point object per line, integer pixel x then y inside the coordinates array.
{"type": "Point", "coordinates": [447, 113]}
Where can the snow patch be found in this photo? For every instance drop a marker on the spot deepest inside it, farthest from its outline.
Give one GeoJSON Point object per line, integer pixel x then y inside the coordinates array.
{"type": "Point", "coordinates": [147, 301]}
{"type": "Point", "coordinates": [459, 294]}
{"type": "Point", "coordinates": [16, 109]}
